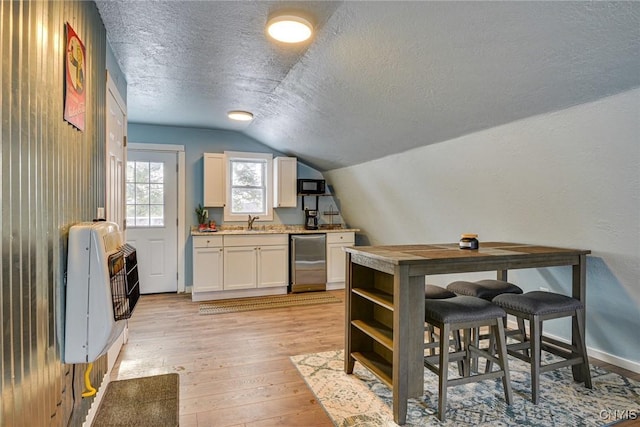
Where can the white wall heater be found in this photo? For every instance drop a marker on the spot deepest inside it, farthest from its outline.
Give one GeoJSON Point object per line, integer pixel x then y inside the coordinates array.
{"type": "Point", "coordinates": [102, 289]}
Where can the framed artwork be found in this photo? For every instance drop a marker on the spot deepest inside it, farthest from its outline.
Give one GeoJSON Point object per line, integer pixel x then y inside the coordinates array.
{"type": "Point", "coordinates": [75, 79]}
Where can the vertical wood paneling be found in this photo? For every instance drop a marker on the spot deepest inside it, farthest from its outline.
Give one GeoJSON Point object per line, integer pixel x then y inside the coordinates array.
{"type": "Point", "coordinates": [51, 176]}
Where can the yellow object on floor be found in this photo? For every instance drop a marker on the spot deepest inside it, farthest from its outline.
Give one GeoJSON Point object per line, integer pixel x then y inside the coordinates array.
{"type": "Point", "coordinates": [90, 391]}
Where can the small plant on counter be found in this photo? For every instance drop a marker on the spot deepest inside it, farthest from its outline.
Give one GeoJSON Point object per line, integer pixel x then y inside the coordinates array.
{"type": "Point", "coordinates": [202, 214]}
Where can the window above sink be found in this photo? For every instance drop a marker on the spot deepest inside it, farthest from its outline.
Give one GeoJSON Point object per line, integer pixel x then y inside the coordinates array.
{"type": "Point", "coordinates": [249, 186]}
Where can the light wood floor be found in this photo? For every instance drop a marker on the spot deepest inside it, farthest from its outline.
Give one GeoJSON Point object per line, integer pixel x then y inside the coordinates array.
{"type": "Point", "coordinates": [234, 368]}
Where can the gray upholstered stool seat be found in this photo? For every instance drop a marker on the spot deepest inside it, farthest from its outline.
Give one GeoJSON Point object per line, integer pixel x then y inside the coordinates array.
{"type": "Point", "coordinates": [539, 302]}
{"type": "Point", "coordinates": [437, 292]}
{"type": "Point", "coordinates": [461, 309]}
{"type": "Point", "coordinates": [486, 289]}
{"type": "Point", "coordinates": [536, 307]}
{"type": "Point", "coordinates": [465, 313]}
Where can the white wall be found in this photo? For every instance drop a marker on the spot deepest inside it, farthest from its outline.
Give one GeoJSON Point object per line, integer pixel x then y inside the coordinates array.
{"type": "Point", "coordinates": [569, 178]}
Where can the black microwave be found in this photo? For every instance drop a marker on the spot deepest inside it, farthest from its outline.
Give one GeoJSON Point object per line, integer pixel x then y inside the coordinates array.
{"type": "Point", "coordinates": [311, 186]}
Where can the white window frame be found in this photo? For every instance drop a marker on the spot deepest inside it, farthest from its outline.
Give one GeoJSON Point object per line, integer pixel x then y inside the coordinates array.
{"type": "Point", "coordinates": [230, 156]}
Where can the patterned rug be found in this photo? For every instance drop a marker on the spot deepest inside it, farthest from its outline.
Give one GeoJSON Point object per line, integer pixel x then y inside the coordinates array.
{"type": "Point", "coordinates": [261, 303]}
{"type": "Point", "coordinates": [362, 400]}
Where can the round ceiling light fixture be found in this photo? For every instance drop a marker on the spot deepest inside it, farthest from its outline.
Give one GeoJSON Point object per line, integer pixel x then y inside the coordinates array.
{"type": "Point", "coordinates": [289, 28]}
{"type": "Point", "coordinates": [239, 115]}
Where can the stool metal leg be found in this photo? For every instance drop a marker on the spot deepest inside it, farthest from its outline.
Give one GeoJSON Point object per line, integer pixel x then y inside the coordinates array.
{"type": "Point", "coordinates": [536, 331]}
{"type": "Point", "coordinates": [430, 338]}
{"type": "Point", "coordinates": [444, 370]}
{"type": "Point", "coordinates": [467, 362]}
{"type": "Point", "coordinates": [582, 348]}
{"type": "Point", "coordinates": [498, 335]}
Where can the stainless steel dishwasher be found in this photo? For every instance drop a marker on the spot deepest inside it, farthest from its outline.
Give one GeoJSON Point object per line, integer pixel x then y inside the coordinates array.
{"type": "Point", "coordinates": [308, 262]}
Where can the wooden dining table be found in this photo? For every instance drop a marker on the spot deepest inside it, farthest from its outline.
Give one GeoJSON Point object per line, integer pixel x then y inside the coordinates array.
{"type": "Point", "coordinates": [385, 302]}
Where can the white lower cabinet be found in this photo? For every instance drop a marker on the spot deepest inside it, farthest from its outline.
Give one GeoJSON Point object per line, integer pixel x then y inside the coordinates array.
{"type": "Point", "coordinates": [256, 261]}
{"type": "Point", "coordinates": [207, 264]}
{"type": "Point", "coordinates": [273, 266]}
{"type": "Point", "coordinates": [336, 258]}
{"type": "Point", "coordinates": [240, 266]}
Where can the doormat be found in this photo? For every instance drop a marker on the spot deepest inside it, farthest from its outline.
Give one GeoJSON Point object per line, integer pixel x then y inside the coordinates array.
{"type": "Point", "coordinates": [140, 402]}
{"type": "Point", "coordinates": [262, 303]}
{"type": "Point", "coordinates": [361, 399]}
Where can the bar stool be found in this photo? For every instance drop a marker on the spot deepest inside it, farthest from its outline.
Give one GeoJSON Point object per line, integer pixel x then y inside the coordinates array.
{"type": "Point", "coordinates": [465, 313]}
{"type": "Point", "coordinates": [536, 307]}
{"type": "Point", "coordinates": [432, 292]}
{"type": "Point", "coordinates": [488, 289]}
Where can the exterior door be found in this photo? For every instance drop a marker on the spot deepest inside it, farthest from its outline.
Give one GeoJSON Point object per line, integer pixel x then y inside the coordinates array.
{"type": "Point", "coordinates": [152, 217]}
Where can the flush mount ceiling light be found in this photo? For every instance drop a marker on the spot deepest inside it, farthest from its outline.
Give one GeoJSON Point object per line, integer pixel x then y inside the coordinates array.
{"type": "Point", "coordinates": [241, 116]}
{"type": "Point", "coordinates": [289, 28]}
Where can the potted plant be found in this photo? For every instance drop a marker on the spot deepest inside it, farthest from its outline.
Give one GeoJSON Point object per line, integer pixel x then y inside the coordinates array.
{"type": "Point", "coordinates": [203, 215]}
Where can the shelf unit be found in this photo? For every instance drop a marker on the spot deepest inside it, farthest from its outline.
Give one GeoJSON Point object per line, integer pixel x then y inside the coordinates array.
{"type": "Point", "coordinates": [371, 321]}
{"type": "Point", "coordinates": [317, 196]}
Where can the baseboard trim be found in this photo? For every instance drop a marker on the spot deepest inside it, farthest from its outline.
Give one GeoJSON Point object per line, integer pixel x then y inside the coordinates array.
{"type": "Point", "coordinates": [240, 293]}
{"type": "Point", "coordinates": [335, 286]}
{"type": "Point", "coordinates": [629, 365]}
{"type": "Point", "coordinates": [620, 362]}
{"type": "Point", "coordinates": [93, 410]}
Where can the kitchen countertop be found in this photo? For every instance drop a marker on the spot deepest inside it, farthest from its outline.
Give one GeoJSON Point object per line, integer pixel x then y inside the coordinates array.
{"type": "Point", "coordinates": [269, 229]}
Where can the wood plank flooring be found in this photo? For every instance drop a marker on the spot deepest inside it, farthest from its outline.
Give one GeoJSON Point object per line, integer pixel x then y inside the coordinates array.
{"type": "Point", "coordinates": [234, 368]}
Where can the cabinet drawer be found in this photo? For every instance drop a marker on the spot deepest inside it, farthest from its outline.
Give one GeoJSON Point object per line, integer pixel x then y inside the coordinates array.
{"type": "Point", "coordinates": [348, 237]}
{"type": "Point", "coordinates": [207, 241]}
{"type": "Point", "coordinates": [256, 240]}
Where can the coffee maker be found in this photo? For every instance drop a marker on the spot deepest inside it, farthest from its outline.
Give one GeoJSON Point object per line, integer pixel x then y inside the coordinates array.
{"type": "Point", "coordinates": [310, 219]}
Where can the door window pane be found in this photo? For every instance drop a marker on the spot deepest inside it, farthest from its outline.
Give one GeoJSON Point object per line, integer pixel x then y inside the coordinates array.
{"type": "Point", "coordinates": [145, 194]}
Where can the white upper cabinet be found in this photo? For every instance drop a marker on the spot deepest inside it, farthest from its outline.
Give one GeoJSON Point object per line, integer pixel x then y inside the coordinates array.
{"type": "Point", "coordinates": [214, 180]}
{"type": "Point", "coordinates": [285, 174]}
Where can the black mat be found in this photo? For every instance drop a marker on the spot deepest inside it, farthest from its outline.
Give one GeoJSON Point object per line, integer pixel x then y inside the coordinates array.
{"type": "Point", "coordinates": [140, 402]}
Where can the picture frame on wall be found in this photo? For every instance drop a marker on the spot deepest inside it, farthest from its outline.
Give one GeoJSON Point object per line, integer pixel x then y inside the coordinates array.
{"type": "Point", "coordinates": [75, 79]}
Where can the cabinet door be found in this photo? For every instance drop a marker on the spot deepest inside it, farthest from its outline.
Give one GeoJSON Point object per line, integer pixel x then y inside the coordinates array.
{"type": "Point", "coordinates": [240, 267]}
{"type": "Point", "coordinates": [336, 257]}
{"type": "Point", "coordinates": [207, 269]}
{"type": "Point", "coordinates": [273, 266]}
{"type": "Point", "coordinates": [214, 180]}
{"type": "Point", "coordinates": [285, 171]}
{"type": "Point", "coordinates": [336, 263]}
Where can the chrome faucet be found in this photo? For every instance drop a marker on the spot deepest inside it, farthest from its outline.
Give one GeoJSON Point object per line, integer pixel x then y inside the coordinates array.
{"type": "Point", "coordinates": [250, 222]}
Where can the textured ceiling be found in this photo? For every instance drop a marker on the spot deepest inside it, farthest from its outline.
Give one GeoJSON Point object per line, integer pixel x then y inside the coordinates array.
{"type": "Point", "coordinates": [378, 78]}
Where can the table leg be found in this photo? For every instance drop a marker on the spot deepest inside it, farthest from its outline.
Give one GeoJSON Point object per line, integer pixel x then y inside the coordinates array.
{"type": "Point", "coordinates": [408, 340]}
{"type": "Point", "coordinates": [349, 362]}
{"type": "Point", "coordinates": [579, 287]}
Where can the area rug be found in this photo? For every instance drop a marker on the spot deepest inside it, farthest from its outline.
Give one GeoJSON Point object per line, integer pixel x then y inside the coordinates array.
{"type": "Point", "coordinates": [140, 402]}
{"type": "Point", "coordinates": [362, 400]}
{"type": "Point", "coordinates": [261, 303]}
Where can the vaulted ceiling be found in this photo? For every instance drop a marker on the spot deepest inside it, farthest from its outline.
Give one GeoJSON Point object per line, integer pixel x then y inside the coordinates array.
{"type": "Point", "coordinates": [378, 77]}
